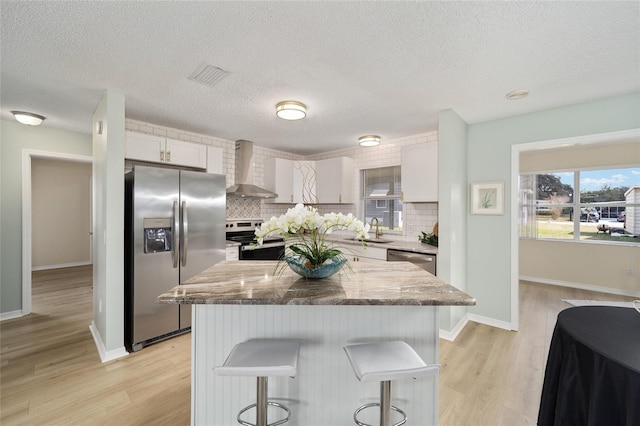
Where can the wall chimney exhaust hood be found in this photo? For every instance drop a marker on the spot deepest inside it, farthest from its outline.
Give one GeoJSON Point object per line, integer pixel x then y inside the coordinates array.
{"type": "Point", "coordinates": [244, 187]}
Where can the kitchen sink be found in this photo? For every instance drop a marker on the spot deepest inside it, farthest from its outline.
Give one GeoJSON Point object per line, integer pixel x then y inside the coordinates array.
{"type": "Point", "coordinates": [371, 240]}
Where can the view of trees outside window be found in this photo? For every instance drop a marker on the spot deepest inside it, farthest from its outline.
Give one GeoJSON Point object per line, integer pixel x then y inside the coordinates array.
{"type": "Point", "coordinates": [382, 192]}
{"type": "Point", "coordinates": [607, 207]}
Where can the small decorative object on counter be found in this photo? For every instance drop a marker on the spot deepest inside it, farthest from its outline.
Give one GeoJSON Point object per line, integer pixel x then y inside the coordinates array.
{"type": "Point", "coordinates": [432, 238]}
{"type": "Point", "coordinates": [308, 253]}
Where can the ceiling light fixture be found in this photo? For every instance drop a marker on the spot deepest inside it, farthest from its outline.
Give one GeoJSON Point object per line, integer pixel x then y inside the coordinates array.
{"type": "Point", "coordinates": [369, 140]}
{"type": "Point", "coordinates": [517, 94]}
{"type": "Point", "coordinates": [291, 110]}
{"type": "Point", "coordinates": [28, 118]}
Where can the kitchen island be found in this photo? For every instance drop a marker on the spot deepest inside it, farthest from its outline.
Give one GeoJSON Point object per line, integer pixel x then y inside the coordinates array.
{"type": "Point", "coordinates": [235, 301]}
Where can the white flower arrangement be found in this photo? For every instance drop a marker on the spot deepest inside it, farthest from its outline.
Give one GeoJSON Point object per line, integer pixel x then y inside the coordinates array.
{"type": "Point", "coordinates": [307, 232]}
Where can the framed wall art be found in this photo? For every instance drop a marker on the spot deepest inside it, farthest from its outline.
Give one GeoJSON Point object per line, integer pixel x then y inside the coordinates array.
{"type": "Point", "coordinates": [487, 198]}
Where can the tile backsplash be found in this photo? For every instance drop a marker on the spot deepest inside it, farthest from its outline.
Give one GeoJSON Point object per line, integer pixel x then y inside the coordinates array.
{"type": "Point", "coordinates": [239, 208]}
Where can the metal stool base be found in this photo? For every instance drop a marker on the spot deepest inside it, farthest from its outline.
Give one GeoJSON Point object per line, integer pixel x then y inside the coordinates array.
{"type": "Point", "coordinates": [273, 404]}
{"type": "Point", "coordinates": [377, 404]}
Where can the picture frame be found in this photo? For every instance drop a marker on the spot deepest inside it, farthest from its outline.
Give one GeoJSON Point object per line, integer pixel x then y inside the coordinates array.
{"type": "Point", "coordinates": [487, 198]}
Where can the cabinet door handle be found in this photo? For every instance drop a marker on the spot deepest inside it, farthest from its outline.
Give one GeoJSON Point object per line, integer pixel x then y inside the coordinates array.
{"type": "Point", "coordinates": [340, 198]}
{"type": "Point", "coordinates": [168, 156]}
{"type": "Point", "coordinates": [161, 155]}
{"type": "Point", "coordinates": [292, 198]}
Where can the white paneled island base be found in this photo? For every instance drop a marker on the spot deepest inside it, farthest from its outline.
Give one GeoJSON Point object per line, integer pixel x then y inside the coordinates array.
{"type": "Point", "coordinates": [325, 391]}
{"type": "Point", "coordinates": [235, 301]}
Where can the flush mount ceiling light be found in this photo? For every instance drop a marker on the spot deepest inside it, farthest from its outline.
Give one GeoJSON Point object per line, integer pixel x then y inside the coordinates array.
{"type": "Point", "coordinates": [517, 94]}
{"type": "Point", "coordinates": [369, 140]}
{"type": "Point", "coordinates": [291, 110]}
{"type": "Point", "coordinates": [28, 118]}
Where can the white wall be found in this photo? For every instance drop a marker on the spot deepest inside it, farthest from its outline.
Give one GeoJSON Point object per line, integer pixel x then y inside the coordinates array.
{"type": "Point", "coordinates": [108, 224]}
{"type": "Point", "coordinates": [16, 138]}
{"type": "Point", "coordinates": [489, 248]}
{"type": "Point", "coordinates": [61, 208]}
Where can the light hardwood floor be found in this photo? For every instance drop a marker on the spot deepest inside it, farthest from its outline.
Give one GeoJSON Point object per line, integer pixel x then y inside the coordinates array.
{"type": "Point", "coordinates": [51, 373]}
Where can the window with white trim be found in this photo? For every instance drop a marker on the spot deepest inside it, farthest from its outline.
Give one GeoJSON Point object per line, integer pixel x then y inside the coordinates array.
{"type": "Point", "coordinates": [381, 192]}
{"type": "Point", "coordinates": [581, 205]}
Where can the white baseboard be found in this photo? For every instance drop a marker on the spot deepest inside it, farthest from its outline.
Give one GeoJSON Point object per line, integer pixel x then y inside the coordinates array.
{"type": "Point", "coordinates": [451, 335]}
{"type": "Point", "coordinates": [490, 321]}
{"type": "Point", "coordinates": [104, 355]}
{"type": "Point", "coordinates": [10, 315]}
{"type": "Point", "coordinates": [61, 265]}
{"type": "Point", "coordinates": [580, 286]}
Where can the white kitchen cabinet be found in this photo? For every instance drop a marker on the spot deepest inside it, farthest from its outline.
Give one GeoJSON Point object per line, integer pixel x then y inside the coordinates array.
{"type": "Point", "coordinates": [143, 147]}
{"type": "Point", "coordinates": [186, 153]}
{"type": "Point", "coordinates": [214, 160]}
{"type": "Point", "coordinates": [304, 182]}
{"type": "Point", "coordinates": [157, 149]}
{"type": "Point", "coordinates": [292, 180]}
{"type": "Point", "coordinates": [278, 178]}
{"type": "Point", "coordinates": [364, 254]}
{"type": "Point", "coordinates": [334, 180]}
{"type": "Point", "coordinates": [419, 170]}
{"type": "Point", "coordinates": [232, 253]}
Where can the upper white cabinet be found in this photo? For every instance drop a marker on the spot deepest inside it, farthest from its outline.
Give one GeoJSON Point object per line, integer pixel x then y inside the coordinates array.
{"type": "Point", "coordinates": [419, 170]}
{"type": "Point", "coordinates": [325, 181]}
{"type": "Point", "coordinates": [278, 177]}
{"type": "Point", "coordinates": [157, 149]}
{"type": "Point", "coordinates": [334, 180]}
{"type": "Point", "coordinates": [140, 146]}
{"type": "Point", "coordinates": [186, 153]}
{"type": "Point", "coordinates": [304, 182]}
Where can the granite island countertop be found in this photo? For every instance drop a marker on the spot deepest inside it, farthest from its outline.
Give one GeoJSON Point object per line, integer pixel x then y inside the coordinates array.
{"type": "Point", "coordinates": [234, 282]}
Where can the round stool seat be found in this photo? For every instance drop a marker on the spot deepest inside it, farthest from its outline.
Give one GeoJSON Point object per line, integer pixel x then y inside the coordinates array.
{"type": "Point", "coordinates": [262, 358]}
{"type": "Point", "coordinates": [379, 362]}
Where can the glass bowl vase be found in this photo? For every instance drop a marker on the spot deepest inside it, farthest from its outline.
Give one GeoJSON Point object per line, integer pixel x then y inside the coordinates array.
{"type": "Point", "coordinates": [327, 269]}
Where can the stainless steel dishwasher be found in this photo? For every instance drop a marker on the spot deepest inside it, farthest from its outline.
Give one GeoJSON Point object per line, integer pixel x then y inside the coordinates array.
{"type": "Point", "coordinates": [424, 261]}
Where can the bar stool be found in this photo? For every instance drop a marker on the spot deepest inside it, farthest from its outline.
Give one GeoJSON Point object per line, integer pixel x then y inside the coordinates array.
{"type": "Point", "coordinates": [262, 359]}
{"type": "Point", "coordinates": [383, 362]}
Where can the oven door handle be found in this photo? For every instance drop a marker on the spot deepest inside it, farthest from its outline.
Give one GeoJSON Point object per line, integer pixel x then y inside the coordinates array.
{"type": "Point", "coordinates": [264, 246]}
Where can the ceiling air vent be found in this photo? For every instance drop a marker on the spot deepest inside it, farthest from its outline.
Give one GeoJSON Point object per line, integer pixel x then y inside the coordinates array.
{"type": "Point", "coordinates": [208, 74]}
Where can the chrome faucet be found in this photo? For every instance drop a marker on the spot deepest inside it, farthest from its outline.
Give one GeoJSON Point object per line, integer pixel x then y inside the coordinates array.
{"type": "Point", "coordinates": [378, 231]}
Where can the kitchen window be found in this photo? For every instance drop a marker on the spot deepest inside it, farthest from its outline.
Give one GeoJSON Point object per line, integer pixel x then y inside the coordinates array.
{"type": "Point", "coordinates": [581, 205]}
{"type": "Point", "coordinates": [381, 197]}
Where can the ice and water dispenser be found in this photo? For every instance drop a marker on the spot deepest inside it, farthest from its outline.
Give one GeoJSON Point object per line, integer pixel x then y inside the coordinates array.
{"type": "Point", "coordinates": [157, 235]}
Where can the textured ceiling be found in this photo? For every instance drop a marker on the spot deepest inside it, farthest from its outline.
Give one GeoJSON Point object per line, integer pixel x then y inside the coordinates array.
{"type": "Point", "coordinates": [385, 68]}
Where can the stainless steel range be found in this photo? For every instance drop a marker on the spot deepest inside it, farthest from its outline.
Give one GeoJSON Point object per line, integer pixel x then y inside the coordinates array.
{"type": "Point", "coordinates": [243, 231]}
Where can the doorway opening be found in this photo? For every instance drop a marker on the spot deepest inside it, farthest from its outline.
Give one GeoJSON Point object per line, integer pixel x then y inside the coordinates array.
{"type": "Point", "coordinates": [28, 157]}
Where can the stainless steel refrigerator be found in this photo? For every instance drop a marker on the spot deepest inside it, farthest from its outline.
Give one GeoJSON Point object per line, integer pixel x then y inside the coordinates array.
{"type": "Point", "coordinates": [174, 229]}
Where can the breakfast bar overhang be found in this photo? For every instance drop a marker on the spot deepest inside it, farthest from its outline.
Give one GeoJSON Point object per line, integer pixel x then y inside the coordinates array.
{"type": "Point", "coordinates": [235, 301]}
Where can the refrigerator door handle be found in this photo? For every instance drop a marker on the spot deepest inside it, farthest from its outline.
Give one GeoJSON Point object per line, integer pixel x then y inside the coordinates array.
{"type": "Point", "coordinates": [185, 230]}
{"type": "Point", "coordinates": [176, 234]}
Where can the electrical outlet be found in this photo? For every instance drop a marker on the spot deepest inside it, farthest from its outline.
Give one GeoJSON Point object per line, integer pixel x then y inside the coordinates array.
{"type": "Point", "coordinates": [630, 271]}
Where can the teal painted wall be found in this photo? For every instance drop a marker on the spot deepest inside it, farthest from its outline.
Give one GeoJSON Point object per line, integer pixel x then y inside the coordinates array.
{"type": "Point", "coordinates": [489, 159]}
{"type": "Point", "coordinates": [452, 208]}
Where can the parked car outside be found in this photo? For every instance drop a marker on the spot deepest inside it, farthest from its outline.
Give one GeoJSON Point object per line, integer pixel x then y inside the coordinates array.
{"type": "Point", "coordinates": [589, 214]}
{"type": "Point", "coordinates": [622, 216]}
